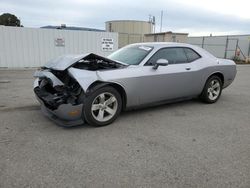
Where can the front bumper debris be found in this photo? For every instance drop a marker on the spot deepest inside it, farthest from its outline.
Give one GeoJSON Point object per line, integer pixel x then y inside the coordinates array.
{"type": "Point", "coordinates": [65, 115]}
{"type": "Point", "coordinates": [59, 121]}
{"type": "Point", "coordinates": [55, 107]}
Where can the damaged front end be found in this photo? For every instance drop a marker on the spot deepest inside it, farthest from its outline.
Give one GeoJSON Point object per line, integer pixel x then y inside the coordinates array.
{"type": "Point", "coordinates": [60, 94]}
{"type": "Point", "coordinates": [61, 101]}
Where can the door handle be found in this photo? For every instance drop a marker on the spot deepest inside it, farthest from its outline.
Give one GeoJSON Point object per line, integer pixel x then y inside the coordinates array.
{"type": "Point", "coordinates": [188, 68]}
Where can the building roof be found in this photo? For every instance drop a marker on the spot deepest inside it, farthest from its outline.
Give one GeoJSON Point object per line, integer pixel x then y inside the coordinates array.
{"type": "Point", "coordinates": [72, 28]}
{"type": "Point", "coordinates": [167, 32]}
{"type": "Point", "coordinates": [127, 21]}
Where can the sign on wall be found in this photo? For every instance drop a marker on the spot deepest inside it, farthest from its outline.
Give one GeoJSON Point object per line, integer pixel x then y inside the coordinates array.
{"type": "Point", "coordinates": [107, 44]}
{"type": "Point", "coordinates": [59, 42]}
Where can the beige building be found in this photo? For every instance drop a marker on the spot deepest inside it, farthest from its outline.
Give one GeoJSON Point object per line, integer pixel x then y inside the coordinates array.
{"type": "Point", "coordinates": [129, 31]}
{"type": "Point", "coordinates": [166, 37]}
{"type": "Point", "coordinates": [134, 31]}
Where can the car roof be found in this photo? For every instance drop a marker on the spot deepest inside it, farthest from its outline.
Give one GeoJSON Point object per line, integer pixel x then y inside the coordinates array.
{"type": "Point", "coordinates": [159, 45]}
{"type": "Point", "coordinates": [162, 44]}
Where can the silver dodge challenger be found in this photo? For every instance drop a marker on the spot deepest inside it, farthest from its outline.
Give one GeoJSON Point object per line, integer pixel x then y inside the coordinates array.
{"type": "Point", "coordinates": [88, 88]}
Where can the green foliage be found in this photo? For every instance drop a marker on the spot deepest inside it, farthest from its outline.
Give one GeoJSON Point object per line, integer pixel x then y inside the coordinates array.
{"type": "Point", "coordinates": [8, 19]}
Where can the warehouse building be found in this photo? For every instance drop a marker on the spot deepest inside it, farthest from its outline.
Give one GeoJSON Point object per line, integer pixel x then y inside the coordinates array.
{"type": "Point", "coordinates": [64, 27]}
{"type": "Point", "coordinates": [166, 37]}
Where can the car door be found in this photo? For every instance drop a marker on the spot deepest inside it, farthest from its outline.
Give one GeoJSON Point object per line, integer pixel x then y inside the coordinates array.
{"type": "Point", "coordinates": [167, 82]}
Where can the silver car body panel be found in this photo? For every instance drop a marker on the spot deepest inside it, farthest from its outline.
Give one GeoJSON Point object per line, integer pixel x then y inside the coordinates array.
{"type": "Point", "coordinates": [46, 74]}
{"type": "Point", "coordinates": [63, 62]}
{"type": "Point", "coordinates": [83, 77]}
{"type": "Point", "coordinates": [145, 85]}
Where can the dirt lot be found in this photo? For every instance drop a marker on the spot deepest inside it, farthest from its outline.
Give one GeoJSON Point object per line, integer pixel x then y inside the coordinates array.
{"type": "Point", "coordinates": [188, 144]}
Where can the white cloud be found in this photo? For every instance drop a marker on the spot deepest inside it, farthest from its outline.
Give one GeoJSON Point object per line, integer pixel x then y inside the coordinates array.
{"type": "Point", "coordinates": [192, 16]}
{"type": "Point", "coordinates": [238, 8]}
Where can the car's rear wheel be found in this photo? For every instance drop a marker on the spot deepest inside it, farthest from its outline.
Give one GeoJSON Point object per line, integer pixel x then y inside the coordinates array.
{"type": "Point", "coordinates": [212, 90]}
{"type": "Point", "coordinates": [103, 106]}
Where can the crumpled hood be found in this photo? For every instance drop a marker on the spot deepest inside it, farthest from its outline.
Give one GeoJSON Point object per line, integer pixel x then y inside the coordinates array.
{"type": "Point", "coordinates": [63, 62]}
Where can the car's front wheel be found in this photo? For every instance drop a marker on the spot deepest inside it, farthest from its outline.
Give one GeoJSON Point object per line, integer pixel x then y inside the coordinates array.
{"type": "Point", "coordinates": [212, 90]}
{"type": "Point", "coordinates": [103, 106]}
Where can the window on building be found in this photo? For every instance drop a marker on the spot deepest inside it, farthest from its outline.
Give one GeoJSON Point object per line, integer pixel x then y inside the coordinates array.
{"type": "Point", "coordinates": [110, 27]}
{"type": "Point", "coordinates": [174, 38]}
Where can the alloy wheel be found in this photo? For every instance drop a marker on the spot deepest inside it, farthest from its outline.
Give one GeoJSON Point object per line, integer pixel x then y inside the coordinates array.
{"type": "Point", "coordinates": [104, 107]}
{"type": "Point", "coordinates": [214, 90]}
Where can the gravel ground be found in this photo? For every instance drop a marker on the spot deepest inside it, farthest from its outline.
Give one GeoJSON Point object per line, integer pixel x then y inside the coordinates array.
{"type": "Point", "coordinates": [187, 144]}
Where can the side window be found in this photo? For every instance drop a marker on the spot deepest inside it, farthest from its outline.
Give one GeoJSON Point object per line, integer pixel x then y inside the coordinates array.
{"type": "Point", "coordinates": [191, 54]}
{"type": "Point", "coordinates": [173, 55]}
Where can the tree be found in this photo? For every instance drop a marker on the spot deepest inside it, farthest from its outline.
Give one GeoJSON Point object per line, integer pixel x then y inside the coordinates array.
{"type": "Point", "coordinates": [8, 19]}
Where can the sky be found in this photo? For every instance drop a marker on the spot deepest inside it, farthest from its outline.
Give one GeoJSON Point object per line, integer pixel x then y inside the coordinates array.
{"type": "Point", "coordinates": [196, 17]}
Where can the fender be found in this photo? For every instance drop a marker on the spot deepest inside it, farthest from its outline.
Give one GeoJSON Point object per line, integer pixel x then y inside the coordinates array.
{"type": "Point", "coordinates": [83, 77]}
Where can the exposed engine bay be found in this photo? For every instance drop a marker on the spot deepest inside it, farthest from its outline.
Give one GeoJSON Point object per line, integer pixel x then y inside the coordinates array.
{"type": "Point", "coordinates": [94, 62]}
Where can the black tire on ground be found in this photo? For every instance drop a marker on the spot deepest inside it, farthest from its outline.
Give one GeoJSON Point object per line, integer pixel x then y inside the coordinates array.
{"type": "Point", "coordinates": [205, 93]}
{"type": "Point", "coordinates": [87, 108]}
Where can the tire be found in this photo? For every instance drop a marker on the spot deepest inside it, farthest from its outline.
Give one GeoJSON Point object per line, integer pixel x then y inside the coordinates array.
{"type": "Point", "coordinates": [102, 106]}
{"type": "Point", "coordinates": [212, 90]}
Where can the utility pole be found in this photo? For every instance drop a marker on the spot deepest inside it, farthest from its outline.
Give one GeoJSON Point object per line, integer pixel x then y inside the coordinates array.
{"type": "Point", "coordinates": [152, 22]}
{"type": "Point", "coordinates": [161, 20]}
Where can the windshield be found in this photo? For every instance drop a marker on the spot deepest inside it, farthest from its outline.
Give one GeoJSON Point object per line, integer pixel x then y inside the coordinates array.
{"type": "Point", "coordinates": [131, 55]}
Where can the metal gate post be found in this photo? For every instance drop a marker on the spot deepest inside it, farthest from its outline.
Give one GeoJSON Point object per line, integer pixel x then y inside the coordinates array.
{"type": "Point", "coordinates": [202, 45]}
{"type": "Point", "coordinates": [248, 54]}
{"type": "Point", "coordinates": [236, 48]}
{"type": "Point", "coordinates": [226, 48]}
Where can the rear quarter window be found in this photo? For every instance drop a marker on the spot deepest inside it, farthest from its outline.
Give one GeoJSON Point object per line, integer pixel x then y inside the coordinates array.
{"type": "Point", "coordinates": [191, 54]}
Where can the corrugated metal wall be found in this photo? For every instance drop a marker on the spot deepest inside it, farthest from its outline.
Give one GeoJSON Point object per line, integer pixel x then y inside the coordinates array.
{"type": "Point", "coordinates": [130, 31]}
{"type": "Point", "coordinates": [31, 47]}
{"type": "Point", "coordinates": [224, 46]}
{"type": "Point", "coordinates": [129, 26]}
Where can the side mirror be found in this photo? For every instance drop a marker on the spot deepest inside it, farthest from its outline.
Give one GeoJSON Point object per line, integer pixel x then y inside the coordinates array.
{"type": "Point", "coordinates": [160, 62]}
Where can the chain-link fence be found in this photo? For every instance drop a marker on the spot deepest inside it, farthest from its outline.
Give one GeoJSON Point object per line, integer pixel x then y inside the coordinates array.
{"type": "Point", "coordinates": [229, 47]}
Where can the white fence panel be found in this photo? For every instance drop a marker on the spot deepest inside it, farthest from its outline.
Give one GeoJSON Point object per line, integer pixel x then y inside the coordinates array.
{"type": "Point", "coordinates": [33, 47]}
